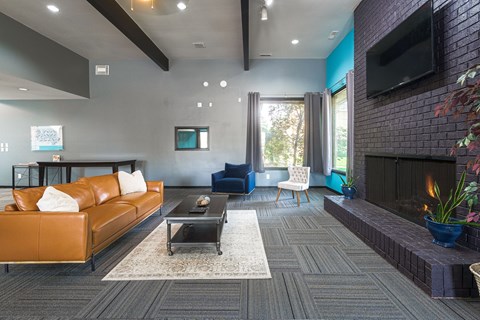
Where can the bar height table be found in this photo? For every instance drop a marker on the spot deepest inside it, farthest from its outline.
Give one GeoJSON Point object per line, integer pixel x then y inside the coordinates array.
{"type": "Point", "coordinates": [68, 165]}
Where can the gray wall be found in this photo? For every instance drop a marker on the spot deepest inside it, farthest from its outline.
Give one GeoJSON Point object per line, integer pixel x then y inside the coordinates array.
{"type": "Point", "coordinates": [29, 55]}
{"type": "Point", "coordinates": [132, 114]}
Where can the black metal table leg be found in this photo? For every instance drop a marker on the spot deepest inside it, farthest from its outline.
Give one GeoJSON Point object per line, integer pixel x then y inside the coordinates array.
{"type": "Point", "coordinates": [218, 238]}
{"type": "Point", "coordinates": [6, 268]}
{"type": "Point", "coordinates": [169, 239]}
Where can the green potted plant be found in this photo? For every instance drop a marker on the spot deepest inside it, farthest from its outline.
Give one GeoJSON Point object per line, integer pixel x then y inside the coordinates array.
{"type": "Point", "coordinates": [444, 228]}
{"type": "Point", "coordinates": [348, 185]}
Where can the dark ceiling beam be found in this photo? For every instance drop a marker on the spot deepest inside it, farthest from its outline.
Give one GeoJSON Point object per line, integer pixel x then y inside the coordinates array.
{"type": "Point", "coordinates": [111, 10]}
{"type": "Point", "coordinates": [245, 30]}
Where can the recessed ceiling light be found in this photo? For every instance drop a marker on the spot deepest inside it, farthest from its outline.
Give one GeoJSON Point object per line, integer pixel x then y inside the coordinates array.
{"type": "Point", "coordinates": [53, 8]}
{"type": "Point", "coordinates": [199, 104]}
{"type": "Point", "coordinates": [210, 104]}
{"type": "Point", "coordinates": [23, 89]}
{"type": "Point", "coordinates": [205, 83]}
{"type": "Point", "coordinates": [295, 41]}
{"type": "Point", "coordinates": [223, 84]}
{"type": "Point", "coordinates": [182, 6]}
{"type": "Point", "coordinates": [268, 2]}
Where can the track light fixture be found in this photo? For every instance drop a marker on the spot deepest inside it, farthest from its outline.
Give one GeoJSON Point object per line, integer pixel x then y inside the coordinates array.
{"type": "Point", "coordinates": [264, 13]}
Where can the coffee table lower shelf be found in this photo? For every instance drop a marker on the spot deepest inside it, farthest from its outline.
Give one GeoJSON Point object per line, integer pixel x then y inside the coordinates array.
{"type": "Point", "coordinates": [195, 235]}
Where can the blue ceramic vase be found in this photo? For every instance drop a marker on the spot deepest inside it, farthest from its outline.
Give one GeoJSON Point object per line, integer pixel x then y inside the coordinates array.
{"type": "Point", "coordinates": [348, 192]}
{"type": "Point", "coordinates": [444, 234]}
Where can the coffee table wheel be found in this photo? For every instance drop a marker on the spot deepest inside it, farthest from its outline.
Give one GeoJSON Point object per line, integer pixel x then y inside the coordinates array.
{"type": "Point", "coordinates": [219, 253]}
{"type": "Point", "coordinates": [170, 253]}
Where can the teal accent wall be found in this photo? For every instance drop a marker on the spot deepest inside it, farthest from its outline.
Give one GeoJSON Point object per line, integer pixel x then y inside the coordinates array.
{"type": "Point", "coordinates": [333, 182]}
{"type": "Point", "coordinates": [338, 63]}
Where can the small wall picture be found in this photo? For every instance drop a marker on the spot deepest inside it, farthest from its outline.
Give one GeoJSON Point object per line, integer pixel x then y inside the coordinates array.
{"type": "Point", "coordinates": [47, 138]}
{"type": "Point", "coordinates": [56, 158]}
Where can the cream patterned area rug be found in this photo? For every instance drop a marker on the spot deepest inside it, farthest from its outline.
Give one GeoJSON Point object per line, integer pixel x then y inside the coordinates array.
{"type": "Point", "coordinates": [241, 243]}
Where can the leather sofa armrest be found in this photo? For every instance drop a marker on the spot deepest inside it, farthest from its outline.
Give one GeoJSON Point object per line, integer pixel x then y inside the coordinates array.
{"type": "Point", "coordinates": [11, 207]}
{"type": "Point", "coordinates": [155, 186]}
{"type": "Point", "coordinates": [29, 236]}
{"type": "Point", "coordinates": [215, 177]}
{"type": "Point", "coordinates": [250, 182]}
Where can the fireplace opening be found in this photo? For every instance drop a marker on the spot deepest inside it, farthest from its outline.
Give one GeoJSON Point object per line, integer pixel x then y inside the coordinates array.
{"type": "Point", "coordinates": [404, 185]}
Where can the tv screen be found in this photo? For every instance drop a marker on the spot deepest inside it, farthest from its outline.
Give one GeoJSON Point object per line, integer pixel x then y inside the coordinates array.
{"type": "Point", "coordinates": [404, 55]}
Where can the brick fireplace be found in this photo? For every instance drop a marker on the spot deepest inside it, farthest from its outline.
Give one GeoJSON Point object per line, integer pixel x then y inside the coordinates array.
{"type": "Point", "coordinates": [403, 122]}
{"type": "Point", "coordinates": [404, 185]}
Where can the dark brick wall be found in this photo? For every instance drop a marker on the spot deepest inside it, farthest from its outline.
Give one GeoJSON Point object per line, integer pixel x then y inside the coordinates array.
{"type": "Point", "coordinates": [403, 122]}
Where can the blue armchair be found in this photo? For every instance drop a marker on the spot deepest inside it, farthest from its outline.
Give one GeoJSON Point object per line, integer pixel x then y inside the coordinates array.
{"type": "Point", "coordinates": [235, 179]}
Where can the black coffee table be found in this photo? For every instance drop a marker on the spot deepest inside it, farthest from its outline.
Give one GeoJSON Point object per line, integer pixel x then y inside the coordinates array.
{"type": "Point", "coordinates": [198, 229]}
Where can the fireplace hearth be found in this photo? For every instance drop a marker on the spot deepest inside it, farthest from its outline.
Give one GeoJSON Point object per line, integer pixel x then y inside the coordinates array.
{"type": "Point", "coordinates": [403, 184]}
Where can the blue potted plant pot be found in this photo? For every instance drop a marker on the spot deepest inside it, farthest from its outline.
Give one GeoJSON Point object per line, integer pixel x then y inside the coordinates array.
{"type": "Point", "coordinates": [348, 192]}
{"type": "Point", "coordinates": [444, 234]}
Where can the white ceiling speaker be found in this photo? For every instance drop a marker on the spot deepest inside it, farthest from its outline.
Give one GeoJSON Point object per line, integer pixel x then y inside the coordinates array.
{"type": "Point", "coordinates": [102, 70]}
{"type": "Point", "coordinates": [158, 7]}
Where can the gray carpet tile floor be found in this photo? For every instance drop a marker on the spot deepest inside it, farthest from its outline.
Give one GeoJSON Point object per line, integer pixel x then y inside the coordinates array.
{"type": "Point", "coordinates": [320, 270]}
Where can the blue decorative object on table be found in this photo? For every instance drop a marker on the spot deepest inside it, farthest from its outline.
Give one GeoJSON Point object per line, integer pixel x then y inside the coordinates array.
{"type": "Point", "coordinates": [348, 192]}
{"type": "Point", "coordinates": [444, 234]}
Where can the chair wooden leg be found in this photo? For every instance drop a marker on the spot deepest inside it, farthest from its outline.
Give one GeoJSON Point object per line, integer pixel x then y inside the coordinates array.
{"type": "Point", "coordinates": [306, 193]}
{"type": "Point", "coordinates": [293, 195]}
{"type": "Point", "coordinates": [278, 194]}
{"type": "Point", "coordinates": [298, 199]}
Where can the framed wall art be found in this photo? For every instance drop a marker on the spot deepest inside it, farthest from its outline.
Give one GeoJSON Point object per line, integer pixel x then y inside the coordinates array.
{"type": "Point", "coordinates": [47, 138]}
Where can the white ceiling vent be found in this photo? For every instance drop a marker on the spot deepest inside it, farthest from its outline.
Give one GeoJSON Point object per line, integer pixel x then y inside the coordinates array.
{"type": "Point", "coordinates": [199, 45]}
{"type": "Point", "coordinates": [102, 70]}
{"type": "Point", "coordinates": [265, 54]}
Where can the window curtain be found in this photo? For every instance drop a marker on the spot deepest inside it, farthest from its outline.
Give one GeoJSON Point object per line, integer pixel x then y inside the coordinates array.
{"type": "Point", "coordinates": [327, 132]}
{"type": "Point", "coordinates": [350, 110]}
{"type": "Point", "coordinates": [254, 133]}
{"type": "Point", "coordinates": [313, 145]}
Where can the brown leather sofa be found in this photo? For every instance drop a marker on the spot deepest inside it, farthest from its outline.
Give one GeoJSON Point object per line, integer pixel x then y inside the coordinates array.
{"type": "Point", "coordinates": [30, 236]}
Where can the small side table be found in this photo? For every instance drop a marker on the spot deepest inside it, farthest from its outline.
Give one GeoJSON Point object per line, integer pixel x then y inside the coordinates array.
{"type": "Point", "coordinates": [23, 173]}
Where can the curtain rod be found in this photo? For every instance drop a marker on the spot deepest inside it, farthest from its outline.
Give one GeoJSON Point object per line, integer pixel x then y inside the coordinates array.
{"type": "Point", "coordinates": [282, 95]}
{"type": "Point", "coordinates": [342, 80]}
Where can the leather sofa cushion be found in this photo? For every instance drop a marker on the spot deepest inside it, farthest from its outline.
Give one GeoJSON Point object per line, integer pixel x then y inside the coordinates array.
{"type": "Point", "coordinates": [79, 191]}
{"type": "Point", "coordinates": [233, 185]}
{"type": "Point", "coordinates": [142, 201]}
{"type": "Point", "coordinates": [104, 187]}
{"type": "Point", "coordinates": [108, 219]}
{"type": "Point", "coordinates": [26, 199]}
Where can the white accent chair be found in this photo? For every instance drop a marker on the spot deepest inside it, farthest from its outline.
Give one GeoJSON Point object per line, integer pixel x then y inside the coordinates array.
{"type": "Point", "coordinates": [299, 180]}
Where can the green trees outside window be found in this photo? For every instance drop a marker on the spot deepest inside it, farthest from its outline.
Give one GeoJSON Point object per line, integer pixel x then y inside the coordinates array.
{"type": "Point", "coordinates": [283, 124]}
{"type": "Point", "coordinates": [340, 125]}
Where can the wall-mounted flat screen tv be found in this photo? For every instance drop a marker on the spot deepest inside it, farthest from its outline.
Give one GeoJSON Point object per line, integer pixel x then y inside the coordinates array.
{"type": "Point", "coordinates": [404, 55]}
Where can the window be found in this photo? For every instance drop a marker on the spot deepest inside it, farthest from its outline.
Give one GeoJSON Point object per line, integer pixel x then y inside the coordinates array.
{"type": "Point", "coordinates": [282, 132]}
{"type": "Point", "coordinates": [340, 125]}
{"type": "Point", "coordinates": [191, 138]}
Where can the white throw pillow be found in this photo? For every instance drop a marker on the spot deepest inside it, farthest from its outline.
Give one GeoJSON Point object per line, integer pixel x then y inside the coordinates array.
{"type": "Point", "coordinates": [131, 182]}
{"type": "Point", "coordinates": [55, 200]}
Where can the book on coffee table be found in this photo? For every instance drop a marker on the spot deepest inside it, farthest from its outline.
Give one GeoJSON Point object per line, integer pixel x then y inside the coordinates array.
{"type": "Point", "coordinates": [198, 210]}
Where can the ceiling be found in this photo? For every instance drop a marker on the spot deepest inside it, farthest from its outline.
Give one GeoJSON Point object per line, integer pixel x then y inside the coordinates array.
{"type": "Point", "coordinates": [81, 28]}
